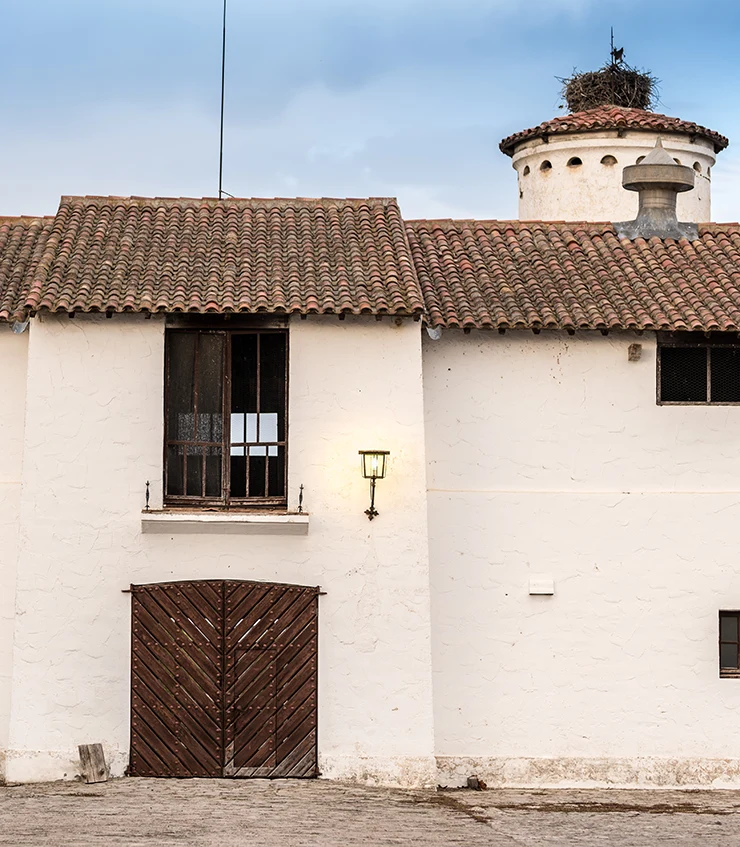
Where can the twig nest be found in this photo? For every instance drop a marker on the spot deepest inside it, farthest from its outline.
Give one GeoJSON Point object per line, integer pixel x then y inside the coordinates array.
{"type": "Point", "coordinates": [616, 84]}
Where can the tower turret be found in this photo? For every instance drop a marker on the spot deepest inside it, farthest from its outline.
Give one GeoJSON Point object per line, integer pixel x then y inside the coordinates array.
{"type": "Point", "coordinates": [570, 168]}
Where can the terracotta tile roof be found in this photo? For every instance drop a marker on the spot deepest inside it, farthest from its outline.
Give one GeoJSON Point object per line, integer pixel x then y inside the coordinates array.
{"type": "Point", "coordinates": [165, 254]}
{"type": "Point", "coordinates": [22, 241]}
{"type": "Point", "coordinates": [357, 256]}
{"type": "Point", "coordinates": [511, 274]}
{"type": "Point", "coordinates": [612, 117]}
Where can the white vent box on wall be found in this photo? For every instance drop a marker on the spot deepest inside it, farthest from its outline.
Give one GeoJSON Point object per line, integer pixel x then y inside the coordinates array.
{"type": "Point", "coordinates": [541, 585]}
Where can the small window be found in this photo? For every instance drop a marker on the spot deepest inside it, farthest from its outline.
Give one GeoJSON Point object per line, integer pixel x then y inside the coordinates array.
{"type": "Point", "coordinates": [525, 172]}
{"type": "Point", "coordinates": [575, 162]}
{"type": "Point", "coordinates": [697, 167]}
{"type": "Point", "coordinates": [639, 159]}
{"type": "Point", "coordinates": [729, 644]}
{"type": "Point", "coordinates": [546, 166]}
{"type": "Point", "coordinates": [610, 161]}
{"type": "Point", "coordinates": [677, 161]}
{"type": "Point", "coordinates": [226, 417]}
{"type": "Point", "coordinates": [699, 370]}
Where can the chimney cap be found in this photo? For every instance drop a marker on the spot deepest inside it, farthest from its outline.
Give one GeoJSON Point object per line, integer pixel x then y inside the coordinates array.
{"type": "Point", "coordinates": [658, 170]}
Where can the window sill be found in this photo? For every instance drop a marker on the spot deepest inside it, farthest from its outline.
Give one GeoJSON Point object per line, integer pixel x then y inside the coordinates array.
{"type": "Point", "coordinates": [224, 523]}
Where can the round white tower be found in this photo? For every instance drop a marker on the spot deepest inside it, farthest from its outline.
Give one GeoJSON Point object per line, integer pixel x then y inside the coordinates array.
{"type": "Point", "coordinates": [570, 168]}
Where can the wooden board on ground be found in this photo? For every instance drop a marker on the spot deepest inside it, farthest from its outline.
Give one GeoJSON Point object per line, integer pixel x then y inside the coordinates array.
{"type": "Point", "coordinates": [92, 763]}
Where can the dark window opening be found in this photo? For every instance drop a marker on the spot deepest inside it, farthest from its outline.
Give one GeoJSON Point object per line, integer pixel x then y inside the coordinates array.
{"type": "Point", "coordinates": [226, 417]}
{"type": "Point", "coordinates": [729, 644]}
{"type": "Point", "coordinates": [699, 370]}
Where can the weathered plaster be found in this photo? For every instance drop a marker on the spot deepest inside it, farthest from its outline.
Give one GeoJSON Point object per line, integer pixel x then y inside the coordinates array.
{"type": "Point", "coordinates": [575, 772]}
{"type": "Point", "coordinates": [13, 358]}
{"type": "Point", "coordinates": [593, 191]}
{"type": "Point", "coordinates": [548, 456]}
{"type": "Point", "coordinates": [399, 771]}
{"type": "Point", "coordinates": [93, 438]}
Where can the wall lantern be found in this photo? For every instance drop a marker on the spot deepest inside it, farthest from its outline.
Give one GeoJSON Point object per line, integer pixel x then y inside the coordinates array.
{"type": "Point", "coordinates": [374, 464]}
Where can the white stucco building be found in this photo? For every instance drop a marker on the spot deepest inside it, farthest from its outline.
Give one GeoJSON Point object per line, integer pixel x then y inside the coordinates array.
{"type": "Point", "coordinates": [548, 595]}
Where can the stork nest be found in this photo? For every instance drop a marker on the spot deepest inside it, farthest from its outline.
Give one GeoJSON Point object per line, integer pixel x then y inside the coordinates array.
{"type": "Point", "coordinates": [616, 84]}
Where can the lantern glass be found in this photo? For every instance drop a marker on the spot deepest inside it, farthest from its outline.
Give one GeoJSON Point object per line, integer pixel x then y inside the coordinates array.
{"type": "Point", "coordinates": [374, 463]}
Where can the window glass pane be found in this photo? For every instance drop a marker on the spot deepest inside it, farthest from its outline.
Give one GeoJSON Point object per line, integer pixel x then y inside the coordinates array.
{"type": "Point", "coordinates": [728, 628]}
{"type": "Point", "coordinates": [237, 432]}
{"type": "Point", "coordinates": [181, 381]}
{"type": "Point", "coordinates": [269, 427]}
{"type": "Point", "coordinates": [244, 373]}
{"type": "Point", "coordinates": [257, 465]}
{"type": "Point", "coordinates": [724, 365]}
{"type": "Point", "coordinates": [210, 386]}
{"type": "Point", "coordinates": [728, 655]}
{"type": "Point", "coordinates": [213, 471]}
{"type": "Point", "coordinates": [194, 471]}
{"type": "Point", "coordinates": [276, 472]}
{"type": "Point", "coordinates": [175, 458]}
{"type": "Point", "coordinates": [273, 349]}
{"type": "Point", "coordinates": [683, 374]}
{"type": "Point", "coordinates": [251, 428]}
{"type": "Point", "coordinates": [238, 485]}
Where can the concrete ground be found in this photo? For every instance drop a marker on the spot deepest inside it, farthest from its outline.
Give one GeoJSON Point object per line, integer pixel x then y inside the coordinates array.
{"type": "Point", "coordinates": [207, 813]}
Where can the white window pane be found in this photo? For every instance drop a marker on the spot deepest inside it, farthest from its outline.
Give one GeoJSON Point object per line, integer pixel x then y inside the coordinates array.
{"type": "Point", "coordinates": [237, 430]}
{"type": "Point", "coordinates": [237, 451]}
{"type": "Point", "coordinates": [258, 451]}
{"type": "Point", "coordinates": [272, 451]}
{"type": "Point", "coordinates": [251, 428]}
{"type": "Point", "coordinates": [269, 427]}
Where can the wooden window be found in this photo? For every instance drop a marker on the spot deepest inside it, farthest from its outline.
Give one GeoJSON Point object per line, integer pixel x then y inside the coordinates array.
{"type": "Point", "coordinates": [729, 644]}
{"type": "Point", "coordinates": [699, 370]}
{"type": "Point", "coordinates": [226, 410]}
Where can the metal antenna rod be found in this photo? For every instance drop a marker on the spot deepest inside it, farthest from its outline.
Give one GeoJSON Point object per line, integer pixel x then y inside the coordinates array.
{"type": "Point", "coordinates": [223, 90]}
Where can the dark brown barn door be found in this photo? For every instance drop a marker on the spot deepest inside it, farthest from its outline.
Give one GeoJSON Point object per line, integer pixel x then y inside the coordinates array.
{"type": "Point", "coordinates": [177, 679]}
{"type": "Point", "coordinates": [271, 650]}
{"type": "Point", "coordinates": [224, 679]}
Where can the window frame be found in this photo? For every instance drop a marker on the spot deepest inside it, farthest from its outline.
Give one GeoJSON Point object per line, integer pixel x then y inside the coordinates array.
{"type": "Point", "coordinates": [727, 673]}
{"type": "Point", "coordinates": [225, 502]}
{"type": "Point", "coordinates": [721, 340]}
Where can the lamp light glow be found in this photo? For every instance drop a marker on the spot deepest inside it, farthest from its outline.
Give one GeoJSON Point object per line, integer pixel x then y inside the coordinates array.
{"type": "Point", "coordinates": [374, 467]}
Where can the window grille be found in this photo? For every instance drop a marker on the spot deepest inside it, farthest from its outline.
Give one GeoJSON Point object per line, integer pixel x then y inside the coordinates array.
{"type": "Point", "coordinates": [729, 644]}
{"type": "Point", "coordinates": [694, 369]}
{"type": "Point", "coordinates": [226, 417]}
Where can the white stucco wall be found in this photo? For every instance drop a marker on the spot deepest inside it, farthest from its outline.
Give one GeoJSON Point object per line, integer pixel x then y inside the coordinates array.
{"type": "Point", "coordinates": [13, 357]}
{"type": "Point", "coordinates": [548, 456]}
{"type": "Point", "coordinates": [593, 191]}
{"type": "Point", "coordinates": [93, 438]}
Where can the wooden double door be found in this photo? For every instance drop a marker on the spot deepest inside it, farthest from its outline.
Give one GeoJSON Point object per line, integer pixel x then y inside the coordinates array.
{"type": "Point", "coordinates": [224, 679]}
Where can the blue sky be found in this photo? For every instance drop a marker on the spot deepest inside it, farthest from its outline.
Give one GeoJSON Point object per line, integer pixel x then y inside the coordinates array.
{"type": "Point", "coordinates": [407, 98]}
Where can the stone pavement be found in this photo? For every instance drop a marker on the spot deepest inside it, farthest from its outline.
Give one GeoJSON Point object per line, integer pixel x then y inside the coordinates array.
{"type": "Point", "coordinates": [214, 813]}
